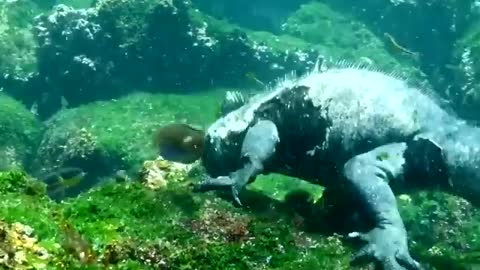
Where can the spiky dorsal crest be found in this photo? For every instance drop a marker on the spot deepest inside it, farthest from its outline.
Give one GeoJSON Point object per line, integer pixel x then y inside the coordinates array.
{"type": "Point", "coordinates": [291, 80]}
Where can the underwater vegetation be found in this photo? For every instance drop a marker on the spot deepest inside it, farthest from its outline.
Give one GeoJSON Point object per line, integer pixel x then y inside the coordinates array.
{"type": "Point", "coordinates": [169, 227]}
{"type": "Point", "coordinates": [86, 51]}
{"type": "Point", "coordinates": [166, 228]}
{"type": "Point", "coordinates": [105, 51]}
{"type": "Point", "coordinates": [104, 137]}
{"type": "Point", "coordinates": [86, 85]}
{"type": "Point", "coordinates": [20, 133]}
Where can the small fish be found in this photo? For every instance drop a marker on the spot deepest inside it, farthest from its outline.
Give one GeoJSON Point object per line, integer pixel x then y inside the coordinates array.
{"type": "Point", "coordinates": [180, 142]}
{"type": "Point", "coordinates": [251, 76]}
{"type": "Point", "coordinates": [62, 179]}
{"type": "Point", "coordinates": [414, 55]}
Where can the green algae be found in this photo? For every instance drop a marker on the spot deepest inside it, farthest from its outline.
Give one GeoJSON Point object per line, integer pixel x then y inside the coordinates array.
{"type": "Point", "coordinates": [129, 226]}
{"type": "Point", "coordinates": [119, 133]}
{"type": "Point", "coordinates": [345, 38]}
{"type": "Point", "coordinates": [278, 187]}
{"type": "Point", "coordinates": [453, 229]}
{"type": "Point", "coordinates": [20, 133]}
{"type": "Point", "coordinates": [167, 229]}
{"type": "Point", "coordinates": [16, 39]}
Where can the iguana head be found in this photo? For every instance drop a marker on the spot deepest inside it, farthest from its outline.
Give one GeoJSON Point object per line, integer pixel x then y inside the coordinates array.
{"type": "Point", "coordinates": [221, 155]}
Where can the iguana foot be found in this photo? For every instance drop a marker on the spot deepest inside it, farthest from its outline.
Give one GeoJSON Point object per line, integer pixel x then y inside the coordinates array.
{"type": "Point", "coordinates": [387, 245]}
{"type": "Point", "coordinates": [258, 146]}
{"type": "Point", "coordinates": [369, 176]}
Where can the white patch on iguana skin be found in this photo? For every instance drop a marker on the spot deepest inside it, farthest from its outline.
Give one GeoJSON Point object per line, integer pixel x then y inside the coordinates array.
{"type": "Point", "coordinates": [365, 104]}
{"type": "Point", "coordinates": [360, 102]}
{"type": "Point", "coordinates": [237, 121]}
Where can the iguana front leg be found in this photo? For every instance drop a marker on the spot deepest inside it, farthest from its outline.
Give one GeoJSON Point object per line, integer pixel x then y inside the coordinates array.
{"type": "Point", "coordinates": [258, 146]}
{"type": "Point", "coordinates": [368, 175]}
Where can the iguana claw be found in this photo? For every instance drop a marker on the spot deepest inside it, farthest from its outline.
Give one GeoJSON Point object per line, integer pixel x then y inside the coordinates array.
{"type": "Point", "coordinates": [210, 183]}
{"type": "Point", "coordinates": [235, 194]}
{"type": "Point", "coordinates": [386, 245]}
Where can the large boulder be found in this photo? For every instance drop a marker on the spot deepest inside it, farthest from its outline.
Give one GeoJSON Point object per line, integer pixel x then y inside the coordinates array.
{"type": "Point", "coordinates": [427, 30]}
{"type": "Point", "coordinates": [17, 45]}
{"type": "Point", "coordinates": [104, 51]}
{"type": "Point", "coordinates": [107, 136]}
{"type": "Point", "coordinates": [20, 134]}
{"type": "Point", "coordinates": [261, 15]}
{"type": "Point", "coordinates": [342, 37]}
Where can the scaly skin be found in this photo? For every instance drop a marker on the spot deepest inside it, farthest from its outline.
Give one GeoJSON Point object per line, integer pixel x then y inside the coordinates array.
{"type": "Point", "coordinates": [364, 131]}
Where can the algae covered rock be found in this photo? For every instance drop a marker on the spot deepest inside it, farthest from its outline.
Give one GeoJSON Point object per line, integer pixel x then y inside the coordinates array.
{"type": "Point", "coordinates": [444, 229]}
{"type": "Point", "coordinates": [17, 42]}
{"type": "Point", "coordinates": [130, 226]}
{"type": "Point", "coordinates": [465, 89]}
{"type": "Point", "coordinates": [104, 51]}
{"type": "Point", "coordinates": [20, 134]}
{"type": "Point", "coordinates": [343, 37]}
{"type": "Point", "coordinates": [159, 173]}
{"type": "Point", "coordinates": [106, 136]}
{"type": "Point", "coordinates": [18, 62]}
{"type": "Point", "coordinates": [428, 30]}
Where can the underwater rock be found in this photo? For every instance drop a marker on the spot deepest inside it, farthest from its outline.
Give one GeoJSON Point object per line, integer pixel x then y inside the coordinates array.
{"type": "Point", "coordinates": [426, 30]}
{"type": "Point", "coordinates": [129, 226]}
{"type": "Point", "coordinates": [159, 173]}
{"type": "Point", "coordinates": [106, 136]}
{"type": "Point", "coordinates": [343, 37]}
{"type": "Point", "coordinates": [17, 44]}
{"type": "Point", "coordinates": [19, 247]}
{"type": "Point", "coordinates": [20, 134]}
{"type": "Point", "coordinates": [261, 15]}
{"type": "Point", "coordinates": [464, 89]}
{"type": "Point", "coordinates": [74, 39]}
{"type": "Point", "coordinates": [116, 46]}
{"type": "Point", "coordinates": [440, 214]}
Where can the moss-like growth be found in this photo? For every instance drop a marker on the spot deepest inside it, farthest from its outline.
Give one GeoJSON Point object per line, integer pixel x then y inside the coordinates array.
{"type": "Point", "coordinates": [129, 226]}
{"type": "Point", "coordinates": [342, 37]}
{"type": "Point", "coordinates": [103, 137]}
{"type": "Point", "coordinates": [430, 29]}
{"type": "Point", "coordinates": [16, 39]}
{"type": "Point", "coordinates": [20, 133]}
{"type": "Point", "coordinates": [150, 44]}
{"type": "Point", "coordinates": [465, 90]}
{"type": "Point", "coordinates": [445, 229]}
{"type": "Point", "coordinates": [17, 46]}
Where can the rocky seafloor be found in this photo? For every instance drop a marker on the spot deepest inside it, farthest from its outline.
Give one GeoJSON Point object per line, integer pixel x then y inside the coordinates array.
{"type": "Point", "coordinates": [86, 83]}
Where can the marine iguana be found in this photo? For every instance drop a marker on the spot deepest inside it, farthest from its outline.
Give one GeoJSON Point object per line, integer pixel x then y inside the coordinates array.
{"type": "Point", "coordinates": [367, 134]}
